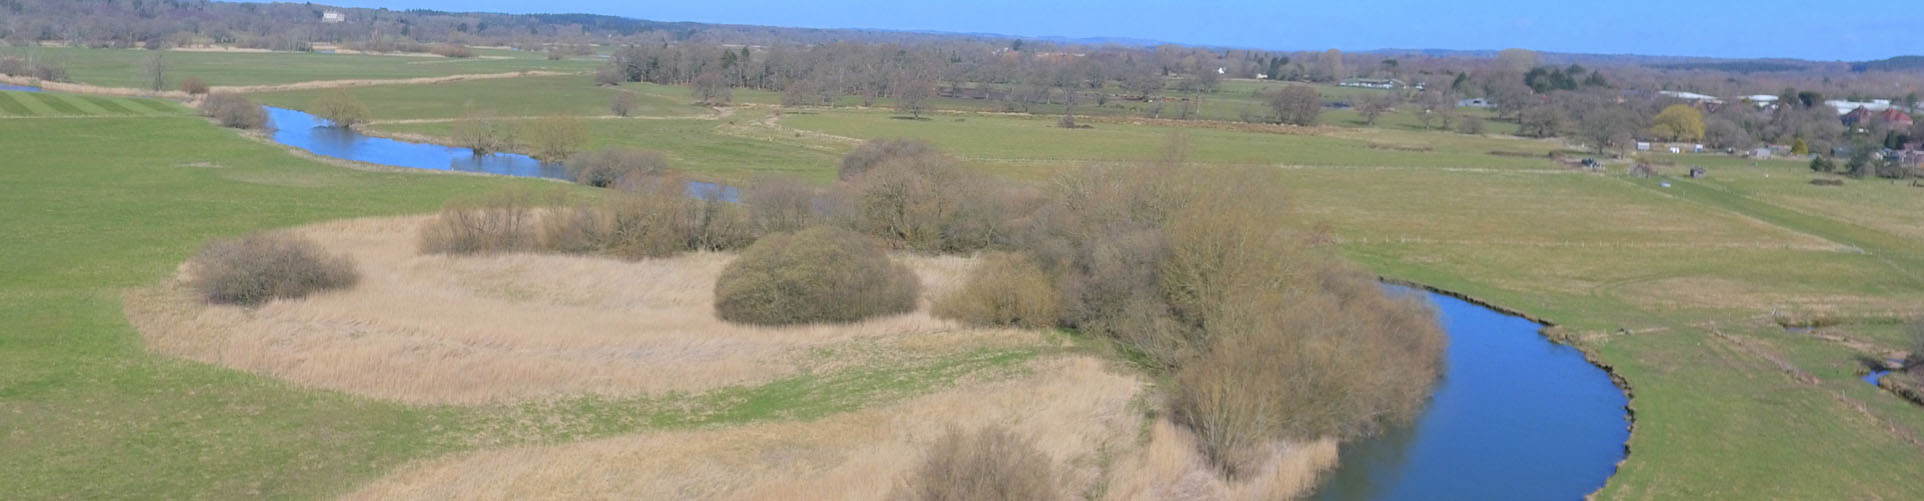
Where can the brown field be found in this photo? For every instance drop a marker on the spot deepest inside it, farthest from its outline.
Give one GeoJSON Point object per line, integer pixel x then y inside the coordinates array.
{"type": "Point", "coordinates": [1088, 419]}
{"type": "Point", "coordinates": [504, 328]}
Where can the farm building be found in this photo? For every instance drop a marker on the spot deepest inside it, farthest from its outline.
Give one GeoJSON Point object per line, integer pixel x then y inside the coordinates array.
{"type": "Point", "coordinates": [333, 16]}
{"type": "Point", "coordinates": [1372, 83]}
{"type": "Point", "coordinates": [1476, 102]}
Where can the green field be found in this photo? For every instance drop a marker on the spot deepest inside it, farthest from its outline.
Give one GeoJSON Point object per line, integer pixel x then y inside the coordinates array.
{"type": "Point", "coordinates": [531, 96]}
{"type": "Point", "coordinates": [1674, 287]}
{"type": "Point", "coordinates": [47, 104]}
{"type": "Point", "coordinates": [120, 68]}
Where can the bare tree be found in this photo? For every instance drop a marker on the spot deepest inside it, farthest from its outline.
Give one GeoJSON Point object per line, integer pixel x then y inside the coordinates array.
{"type": "Point", "coordinates": [153, 71]}
{"type": "Point", "coordinates": [711, 88]}
{"type": "Point", "coordinates": [1374, 106]}
{"type": "Point", "coordinates": [1296, 104]}
{"type": "Point", "coordinates": [913, 92]}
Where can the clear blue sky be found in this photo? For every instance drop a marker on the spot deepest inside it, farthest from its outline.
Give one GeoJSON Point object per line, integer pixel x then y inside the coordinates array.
{"type": "Point", "coordinates": [1848, 30]}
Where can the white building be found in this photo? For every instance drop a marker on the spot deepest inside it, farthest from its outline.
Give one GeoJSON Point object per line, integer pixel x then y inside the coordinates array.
{"type": "Point", "coordinates": [1690, 96]}
{"type": "Point", "coordinates": [1842, 106]}
{"type": "Point", "coordinates": [333, 16]}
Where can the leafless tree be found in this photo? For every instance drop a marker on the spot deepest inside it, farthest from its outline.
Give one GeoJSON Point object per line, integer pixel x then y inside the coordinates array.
{"type": "Point", "coordinates": [711, 88]}
{"type": "Point", "coordinates": [153, 71]}
{"type": "Point", "coordinates": [1296, 104]}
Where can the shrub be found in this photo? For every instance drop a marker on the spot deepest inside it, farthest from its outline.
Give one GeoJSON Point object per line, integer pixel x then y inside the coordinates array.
{"type": "Point", "coordinates": [624, 103]}
{"type": "Point", "coordinates": [919, 199]}
{"type": "Point", "coordinates": [876, 151]}
{"type": "Point", "coordinates": [609, 75]}
{"type": "Point", "coordinates": [648, 218]}
{"type": "Point", "coordinates": [991, 464]}
{"type": "Point", "coordinates": [610, 167]}
{"type": "Point", "coordinates": [339, 108]}
{"type": "Point", "coordinates": [1339, 362]}
{"type": "Point", "coordinates": [193, 86]}
{"type": "Point", "coordinates": [499, 222]}
{"type": "Point", "coordinates": [554, 139]}
{"type": "Point", "coordinates": [820, 274]}
{"type": "Point", "coordinates": [234, 110]}
{"type": "Point", "coordinates": [1914, 362]}
{"type": "Point", "coordinates": [13, 66]}
{"type": "Point", "coordinates": [262, 267]}
{"type": "Point", "coordinates": [1003, 289]}
{"type": "Point", "coordinates": [482, 133]}
{"type": "Point", "coordinates": [780, 204]}
{"type": "Point", "coordinates": [1471, 125]}
{"type": "Point", "coordinates": [453, 50]}
{"type": "Point", "coordinates": [1267, 337]}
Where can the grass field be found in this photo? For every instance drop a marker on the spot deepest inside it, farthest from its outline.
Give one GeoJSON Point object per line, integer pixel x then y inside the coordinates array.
{"type": "Point", "coordinates": [47, 104]}
{"type": "Point", "coordinates": [119, 68]}
{"type": "Point", "coordinates": [531, 96]}
{"type": "Point", "coordinates": [1674, 287]}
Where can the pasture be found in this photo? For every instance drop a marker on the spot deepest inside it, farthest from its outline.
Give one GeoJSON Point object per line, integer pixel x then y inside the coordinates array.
{"type": "Point", "coordinates": [47, 104]}
{"type": "Point", "coordinates": [121, 67]}
{"type": "Point", "coordinates": [1675, 288]}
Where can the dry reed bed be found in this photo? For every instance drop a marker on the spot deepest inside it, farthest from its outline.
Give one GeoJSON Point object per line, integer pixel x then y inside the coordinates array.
{"type": "Point", "coordinates": [1084, 416]}
{"type": "Point", "coordinates": [504, 328]}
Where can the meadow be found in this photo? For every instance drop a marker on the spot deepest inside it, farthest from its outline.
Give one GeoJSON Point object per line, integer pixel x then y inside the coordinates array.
{"type": "Point", "coordinates": [45, 104]}
{"type": "Point", "coordinates": [1675, 287]}
{"type": "Point", "coordinates": [121, 68]}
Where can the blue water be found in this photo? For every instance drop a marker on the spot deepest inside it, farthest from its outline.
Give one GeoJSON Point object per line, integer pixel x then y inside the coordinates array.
{"type": "Point", "coordinates": [1514, 417]}
{"type": "Point", "coordinates": [307, 132]}
{"type": "Point", "coordinates": [1875, 376]}
{"type": "Point", "coordinates": [21, 88]}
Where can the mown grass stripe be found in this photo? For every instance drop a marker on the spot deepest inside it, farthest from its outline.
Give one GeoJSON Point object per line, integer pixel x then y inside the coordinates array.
{"type": "Point", "coordinates": [59, 105]}
{"type": "Point", "coordinates": [156, 105]}
{"type": "Point", "coordinates": [13, 107]}
{"type": "Point", "coordinates": [110, 105]}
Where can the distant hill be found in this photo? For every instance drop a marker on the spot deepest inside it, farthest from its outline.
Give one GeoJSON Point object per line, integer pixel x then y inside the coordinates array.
{"type": "Point", "coordinates": [1899, 63]}
{"type": "Point", "coordinates": [1742, 66]}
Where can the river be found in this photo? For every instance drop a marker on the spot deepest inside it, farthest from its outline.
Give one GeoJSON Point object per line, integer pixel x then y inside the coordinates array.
{"type": "Point", "coordinates": [1515, 416]}
{"type": "Point", "coordinates": [308, 132]}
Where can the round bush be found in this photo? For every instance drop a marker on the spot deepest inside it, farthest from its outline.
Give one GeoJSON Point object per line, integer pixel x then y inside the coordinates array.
{"type": "Point", "coordinates": [258, 268]}
{"type": "Point", "coordinates": [816, 275]}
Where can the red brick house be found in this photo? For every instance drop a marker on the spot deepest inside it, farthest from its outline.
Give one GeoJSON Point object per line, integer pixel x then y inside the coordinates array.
{"type": "Point", "coordinates": [1896, 118]}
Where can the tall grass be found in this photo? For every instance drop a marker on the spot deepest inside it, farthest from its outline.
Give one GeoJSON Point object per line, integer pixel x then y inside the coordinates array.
{"type": "Point", "coordinates": [1003, 289]}
{"type": "Point", "coordinates": [990, 464]}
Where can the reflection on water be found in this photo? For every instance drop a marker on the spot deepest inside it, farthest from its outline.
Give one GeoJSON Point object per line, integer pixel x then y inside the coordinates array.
{"type": "Point", "coordinates": [1514, 417]}
{"type": "Point", "coordinates": [21, 88]}
{"type": "Point", "coordinates": [305, 131]}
